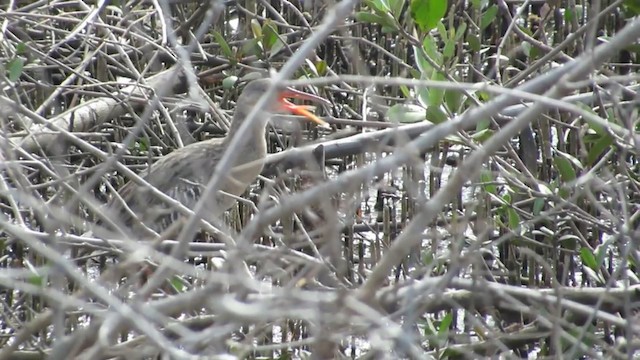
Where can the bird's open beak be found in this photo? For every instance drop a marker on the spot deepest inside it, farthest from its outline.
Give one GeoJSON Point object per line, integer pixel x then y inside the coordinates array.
{"type": "Point", "coordinates": [300, 109]}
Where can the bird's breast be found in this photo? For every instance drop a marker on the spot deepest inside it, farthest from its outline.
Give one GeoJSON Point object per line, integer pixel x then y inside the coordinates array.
{"type": "Point", "coordinates": [241, 176]}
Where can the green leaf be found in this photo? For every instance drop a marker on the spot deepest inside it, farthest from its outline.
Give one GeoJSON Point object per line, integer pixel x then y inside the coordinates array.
{"type": "Point", "coordinates": [483, 124]}
{"type": "Point", "coordinates": [535, 53]}
{"type": "Point", "coordinates": [596, 127]}
{"type": "Point", "coordinates": [459, 33]}
{"type": "Point", "coordinates": [14, 68]}
{"type": "Point", "coordinates": [588, 258]}
{"type": "Point", "coordinates": [429, 328]}
{"type": "Point", "coordinates": [424, 66]}
{"type": "Point", "coordinates": [488, 16]}
{"type": "Point", "coordinates": [435, 115]}
{"type": "Point", "coordinates": [453, 99]}
{"type": "Point", "coordinates": [428, 13]}
{"type": "Point", "coordinates": [538, 206]}
{"type": "Point", "coordinates": [526, 48]}
{"type": "Point", "coordinates": [143, 144]}
{"type": "Point", "coordinates": [177, 284]}
{"type": "Point", "coordinates": [429, 97]}
{"type": "Point", "coordinates": [406, 114]}
{"type": "Point", "coordinates": [270, 35]}
{"type": "Point", "coordinates": [229, 82]}
{"type": "Point", "coordinates": [576, 163]}
{"type": "Point", "coordinates": [423, 95]}
{"type": "Point", "coordinates": [21, 48]}
{"type": "Point", "coordinates": [252, 47]}
{"type": "Point", "coordinates": [224, 46]}
{"type": "Point", "coordinates": [36, 280]}
{"type": "Point", "coordinates": [474, 42]}
{"type": "Point", "coordinates": [389, 29]}
{"type": "Point", "coordinates": [436, 95]}
{"type": "Point", "coordinates": [566, 170]}
{"type": "Point", "coordinates": [488, 183]}
{"type": "Point", "coordinates": [442, 31]}
{"type": "Point", "coordinates": [574, 334]}
{"type": "Point", "coordinates": [525, 30]}
{"type": "Point", "coordinates": [405, 91]}
{"type": "Point", "coordinates": [321, 67]}
{"type": "Point", "coordinates": [483, 95]}
{"type": "Point", "coordinates": [482, 135]}
{"type": "Point", "coordinates": [256, 29]}
{"type": "Point", "coordinates": [453, 353]}
{"type": "Point", "coordinates": [569, 14]}
{"type": "Point", "coordinates": [595, 277]}
{"type": "Point", "coordinates": [631, 7]}
{"type": "Point", "coordinates": [514, 218]}
{"type": "Point", "coordinates": [601, 252]}
{"type": "Point", "coordinates": [449, 49]}
{"type": "Point", "coordinates": [478, 4]}
{"type": "Point", "coordinates": [445, 324]}
{"type": "Point", "coordinates": [428, 258]}
{"type": "Point", "coordinates": [369, 18]}
{"type": "Point", "coordinates": [284, 356]}
{"type": "Point", "coordinates": [431, 48]}
{"type": "Point", "coordinates": [563, 192]}
{"type": "Point", "coordinates": [598, 148]}
{"type": "Point", "coordinates": [378, 5]}
{"type": "Point", "coordinates": [277, 46]}
{"type": "Point", "coordinates": [633, 48]}
{"type": "Point", "coordinates": [396, 8]}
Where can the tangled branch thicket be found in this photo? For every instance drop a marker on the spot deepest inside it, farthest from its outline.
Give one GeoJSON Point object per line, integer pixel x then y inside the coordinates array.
{"type": "Point", "coordinates": [477, 194]}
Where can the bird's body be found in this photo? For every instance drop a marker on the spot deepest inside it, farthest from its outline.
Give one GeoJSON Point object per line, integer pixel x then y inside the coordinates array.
{"type": "Point", "coordinates": [184, 173]}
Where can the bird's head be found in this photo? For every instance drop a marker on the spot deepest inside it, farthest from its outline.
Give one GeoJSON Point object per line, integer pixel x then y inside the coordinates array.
{"type": "Point", "coordinates": [257, 88]}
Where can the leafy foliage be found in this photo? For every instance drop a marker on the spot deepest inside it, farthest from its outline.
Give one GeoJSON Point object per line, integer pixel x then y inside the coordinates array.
{"type": "Point", "coordinates": [446, 213]}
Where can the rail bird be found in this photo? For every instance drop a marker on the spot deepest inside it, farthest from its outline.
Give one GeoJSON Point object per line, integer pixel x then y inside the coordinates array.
{"type": "Point", "coordinates": [183, 173]}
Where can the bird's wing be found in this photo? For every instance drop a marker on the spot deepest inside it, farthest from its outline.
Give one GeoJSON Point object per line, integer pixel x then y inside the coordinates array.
{"type": "Point", "coordinates": [167, 175]}
{"type": "Point", "coordinates": [182, 175]}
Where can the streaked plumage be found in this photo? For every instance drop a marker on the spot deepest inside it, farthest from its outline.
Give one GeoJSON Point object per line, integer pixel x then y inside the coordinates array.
{"type": "Point", "coordinates": [184, 173]}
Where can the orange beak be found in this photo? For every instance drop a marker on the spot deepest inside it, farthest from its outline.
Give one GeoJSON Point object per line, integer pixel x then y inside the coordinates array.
{"type": "Point", "coordinates": [301, 109]}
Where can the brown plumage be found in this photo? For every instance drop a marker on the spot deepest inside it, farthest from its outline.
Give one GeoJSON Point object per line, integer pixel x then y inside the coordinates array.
{"type": "Point", "coordinates": [184, 173]}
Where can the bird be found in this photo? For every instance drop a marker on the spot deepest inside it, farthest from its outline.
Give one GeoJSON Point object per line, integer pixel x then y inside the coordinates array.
{"type": "Point", "coordinates": [183, 173]}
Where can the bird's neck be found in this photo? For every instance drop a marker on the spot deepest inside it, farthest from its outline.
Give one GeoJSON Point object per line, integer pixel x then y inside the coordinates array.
{"type": "Point", "coordinates": [255, 132]}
